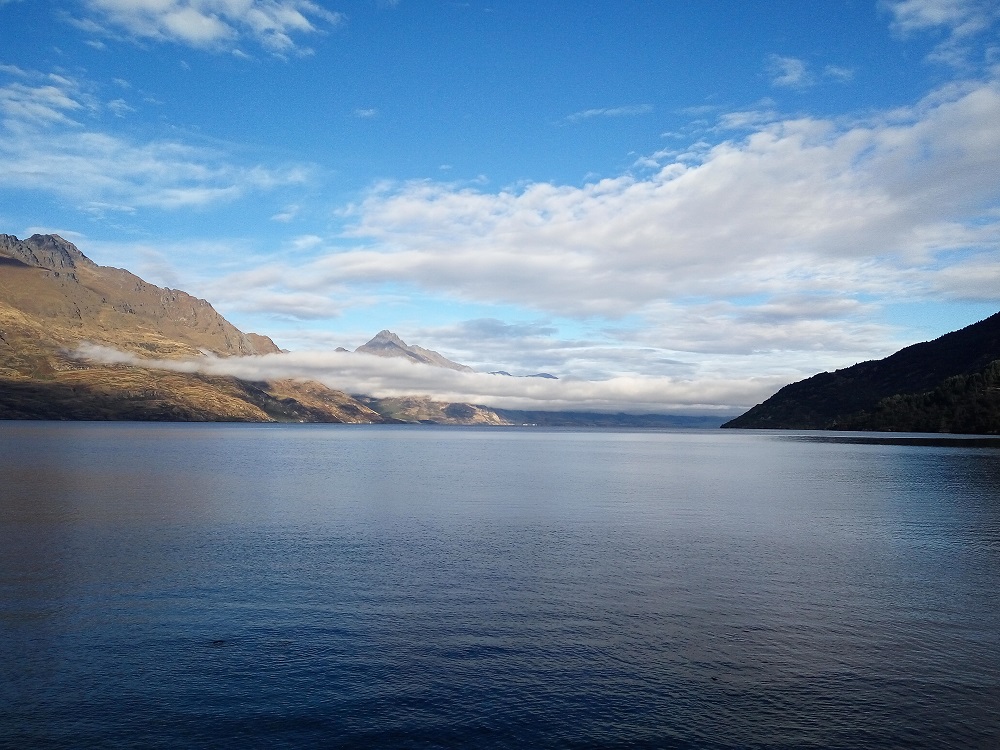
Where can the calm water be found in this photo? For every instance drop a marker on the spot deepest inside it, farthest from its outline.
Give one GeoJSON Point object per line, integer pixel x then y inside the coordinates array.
{"type": "Point", "coordinates": [338, 586]}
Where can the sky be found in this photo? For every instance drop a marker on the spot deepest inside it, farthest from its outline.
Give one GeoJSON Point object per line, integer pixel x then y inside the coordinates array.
{"type": "Point", "coordinates": [673, 207]}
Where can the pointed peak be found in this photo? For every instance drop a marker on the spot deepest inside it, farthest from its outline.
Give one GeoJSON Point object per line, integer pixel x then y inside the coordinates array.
{"type": "Point", "coordinates": [44, 251]}
{"type": "Point", "coordinates": [387, 337]}
{"type": "Point", "coordinates": [387, 344]}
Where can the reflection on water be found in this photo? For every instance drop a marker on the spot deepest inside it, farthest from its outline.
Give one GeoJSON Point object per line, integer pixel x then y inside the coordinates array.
{"type": "Point", "coordinates": [177, 585]}
{"type": "Point", "coordinates": [888, 438]}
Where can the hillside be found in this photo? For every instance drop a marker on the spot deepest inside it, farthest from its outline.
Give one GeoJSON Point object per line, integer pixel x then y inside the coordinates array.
{"type": "Point", "coordinates": [53, 298]}
{"type": "Point", "coordinates": [945, 385]}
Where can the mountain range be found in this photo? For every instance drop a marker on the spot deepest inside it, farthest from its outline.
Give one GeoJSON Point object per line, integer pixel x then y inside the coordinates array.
{"type": "Point", "coordinates": [54, 299]}
{"type": "Point", "coordinates": [950, 384]}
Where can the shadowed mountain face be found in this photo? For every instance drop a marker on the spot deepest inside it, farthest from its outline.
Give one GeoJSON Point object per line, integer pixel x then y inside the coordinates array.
{"type": "Point", "coordinates": [53, 298]}
{"type": "Point", "coordinates": [945, 385]}
{"type": "Point", "coordinates": [388, 344]}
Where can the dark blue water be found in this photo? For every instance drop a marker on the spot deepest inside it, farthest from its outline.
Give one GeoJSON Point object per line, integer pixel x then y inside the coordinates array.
{"type": "Point", "coordinates": [337, 586]}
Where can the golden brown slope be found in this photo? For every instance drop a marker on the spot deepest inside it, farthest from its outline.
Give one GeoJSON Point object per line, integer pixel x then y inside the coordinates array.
{"type": "Point", "coordinates": [50, 280]}
{"type": "Point", "coordinates": [53, 298]}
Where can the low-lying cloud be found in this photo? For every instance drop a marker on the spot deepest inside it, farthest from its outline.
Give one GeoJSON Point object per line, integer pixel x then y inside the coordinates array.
{"type": "Point", "coordinates": [359, 373]}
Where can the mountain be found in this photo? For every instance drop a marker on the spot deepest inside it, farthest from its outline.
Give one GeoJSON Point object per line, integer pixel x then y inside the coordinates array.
{"type": "Point", "coordinates": [388, 344]}
{"type": "Point", "coordinates": [598, 419]}
{"type": "Point", "coordinates": [950, 384]}
{"type": "Point", "coordinates": [51, 282]}
{"type": "Point", "coordinates": [418, 410]}
{"type": "Point", "coordinates": [54, 298]}
{"type": "Point", "coordinates": [545, 375]}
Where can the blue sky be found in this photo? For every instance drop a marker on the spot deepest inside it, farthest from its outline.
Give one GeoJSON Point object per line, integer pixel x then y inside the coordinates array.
{"type": "Point", "coordinates": [672, 206]}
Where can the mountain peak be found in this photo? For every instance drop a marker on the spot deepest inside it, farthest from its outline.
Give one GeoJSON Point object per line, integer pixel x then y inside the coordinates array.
{"type": "Point", "coordinates": [387, 344]}
{"type": "Point", "coordinates": [386, 337]}
{"type": "Point", "coordinates": [53, 282]}
{"type": "Point", "coordinates": [44, 251]}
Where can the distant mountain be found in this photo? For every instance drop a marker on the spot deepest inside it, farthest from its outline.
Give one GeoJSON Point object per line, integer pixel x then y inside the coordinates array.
{"type": "Point", "coordinates": [419, 410]}
{"type": "Point", "coordinates": [53, 298]}
{"type": "Point", "coordinates": [388, 344]}
{"type": "Point", "coordinates": [598, 419]}
{"type": "Point", "coordinates": [416, 410]}
{"type": "Point", "coordinates": [536, 375]}
{"type": "Point", "coordinates": [950, 384]}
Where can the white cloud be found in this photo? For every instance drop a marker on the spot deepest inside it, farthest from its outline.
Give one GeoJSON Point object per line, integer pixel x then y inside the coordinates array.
{"type": "Point", "coordinates": [47, 143]}
{"type": "Point", "coordinates": [120, 107]}
{"type": "Point", "coordinates": [305, 242]}
{"type": "Point", "coordinates": [961, 20]}
{"type": "Point", "coordinates": [44, 104]}
{"type": "Point", "coordinates": [382, 377]}
{"type": "Point", "coordinates": [211, 24]}
{"type": "Point", "coordinates": [747, 120]}
{"type": "Point", "coordinates": [789, 72]}
{"type": "Point", "coordinates": [286, 214]}
{"type": "Point", "coordinates": [280, 304]}
{"type": "Point", "coordinates": [763, 247]}
{"type": "Point", "coordinates": [588, 114]}
{"type": "Point", "coordinates": [365, 114]}
{"type": "Point", "coordinates": [838, 73]}
{"type": "Point", "coordinates": [796, 201]}
{"type": "Point", "coordinates": [975, 279]}
{"type": "Point", "coordinates": [963, 17]}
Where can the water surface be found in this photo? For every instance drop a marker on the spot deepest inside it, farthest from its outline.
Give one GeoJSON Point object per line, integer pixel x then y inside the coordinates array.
{"type": "Point", "coordinates": [350, 586]}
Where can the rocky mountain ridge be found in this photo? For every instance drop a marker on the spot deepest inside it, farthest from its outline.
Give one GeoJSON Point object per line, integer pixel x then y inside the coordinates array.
{"type": "Point", "coordinates": [53, 298]}
{"type": "Point", "coordinates": [50, 279]}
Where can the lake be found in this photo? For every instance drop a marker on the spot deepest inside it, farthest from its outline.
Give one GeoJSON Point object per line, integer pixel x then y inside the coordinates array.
{"type": "Point", "coordinates": [179, 585]}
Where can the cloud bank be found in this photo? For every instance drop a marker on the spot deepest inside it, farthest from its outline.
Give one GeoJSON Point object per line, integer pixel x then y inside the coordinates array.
{"type": "Point", "coordinates": [382, 377]}
{"type": "Point", "coordinates": [814, 217]}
